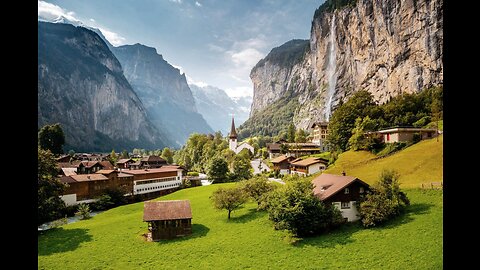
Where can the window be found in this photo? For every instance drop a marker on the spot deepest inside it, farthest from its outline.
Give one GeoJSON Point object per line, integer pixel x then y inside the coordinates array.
{"type": "Point", "coordinates": [361, 190]}
{"type": "Point", "coordinates": [347, 191]}
{"type": "Point", "coordinates": [345, 205]}
{"type": "Point", "coordinates": [388, 137]}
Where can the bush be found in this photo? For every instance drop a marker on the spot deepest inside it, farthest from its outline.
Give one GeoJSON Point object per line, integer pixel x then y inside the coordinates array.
{"type": "Point", "coordinates": [83, 211]}
{"type": "Point", "coordinates": [384, 201]}
{"type": "Point", "coordinates": [293, 207]}
{"type": "Point", "coordinates": [193, 174]}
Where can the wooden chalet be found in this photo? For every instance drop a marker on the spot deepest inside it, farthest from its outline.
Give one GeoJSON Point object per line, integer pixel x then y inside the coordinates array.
{"type": "Point", "coordinates": [308, 166]}
{"type": "Point", "coordinates": [124, 163]}
{"type": "Point", "coordinates": [89, 167]}
{"type": "Point", "coordinates": [167, 219]}
{"type": "Point", "coordinates": [342, 191]}
{"type": "Point", "coordinates": [84, 186]}
{"type": "Point", "coordinates": [282, 164]}
{"type": "Point", "coordinates": [149, 162]}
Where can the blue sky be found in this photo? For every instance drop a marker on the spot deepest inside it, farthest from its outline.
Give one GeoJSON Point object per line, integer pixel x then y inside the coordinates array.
{"type": "Point", "coordinates": [215, 42]}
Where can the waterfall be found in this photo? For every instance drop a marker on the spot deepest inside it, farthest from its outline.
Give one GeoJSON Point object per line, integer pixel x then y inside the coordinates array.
{"type": "Point", "coordinates": [332, 65]}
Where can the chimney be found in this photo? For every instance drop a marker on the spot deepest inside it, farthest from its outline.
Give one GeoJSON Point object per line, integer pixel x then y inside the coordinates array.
{"type": "Point", "coordinates": [343, 173]}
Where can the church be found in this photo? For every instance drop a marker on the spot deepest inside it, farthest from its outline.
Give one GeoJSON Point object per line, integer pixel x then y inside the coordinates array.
{"type": "Point", "coordinates": [233, 141]}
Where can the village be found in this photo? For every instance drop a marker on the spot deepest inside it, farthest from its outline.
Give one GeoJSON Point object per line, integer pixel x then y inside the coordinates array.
{"type": "Point", "coordinates": [88, 175]}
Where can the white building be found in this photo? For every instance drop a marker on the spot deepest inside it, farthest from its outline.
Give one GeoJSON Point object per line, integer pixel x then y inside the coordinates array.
{"type": "Point", "coordinates": [233, 144]}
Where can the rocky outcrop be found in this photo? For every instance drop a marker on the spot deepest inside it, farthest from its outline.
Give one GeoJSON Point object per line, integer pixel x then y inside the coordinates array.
{"type": "Point", "coordinates": [386, 47]}
{"type": "Point", "coordinates": [82, 87]}
{"type": "Point", "coordinates": [163, 90]}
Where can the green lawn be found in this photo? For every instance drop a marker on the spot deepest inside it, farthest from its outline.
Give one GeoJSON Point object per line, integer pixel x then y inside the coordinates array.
{"type": "Point", "coordinates": [419, 163]}
{"type": "Point", "coordinates": [113, 240]}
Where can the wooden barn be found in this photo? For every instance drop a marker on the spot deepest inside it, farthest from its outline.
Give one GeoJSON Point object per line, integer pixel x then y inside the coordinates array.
{"type": "Point", "coordinates": [167, 219]}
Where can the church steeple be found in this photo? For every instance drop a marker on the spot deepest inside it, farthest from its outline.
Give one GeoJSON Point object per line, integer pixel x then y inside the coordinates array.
{"type": "Point", "coordinates": [233, 132]}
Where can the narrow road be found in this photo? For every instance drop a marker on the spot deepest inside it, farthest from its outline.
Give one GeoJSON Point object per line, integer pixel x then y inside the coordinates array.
{"type": "Point", "coordinates": [278, 180]}
{"type": "Point", "coordinates": [258, 166]}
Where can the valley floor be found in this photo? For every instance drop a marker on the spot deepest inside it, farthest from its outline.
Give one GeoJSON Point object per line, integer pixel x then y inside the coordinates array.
{"type": "Point", "coordinates": [113, 240]}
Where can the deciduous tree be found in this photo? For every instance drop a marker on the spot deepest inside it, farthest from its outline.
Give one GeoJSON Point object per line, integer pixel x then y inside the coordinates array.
{"type": "Point", "coordinates": [51, 137]}
{"type": "Point", "coordinates": [228, 199]}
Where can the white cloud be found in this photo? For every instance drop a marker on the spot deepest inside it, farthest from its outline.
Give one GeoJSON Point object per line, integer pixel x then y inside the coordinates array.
{"type": "Point", "coordinates": [112, 37]}
{"type": "Point", "coordinates": [191, 81]}
{"type": "Point", "coordinates": [176, 1]}
{"type": "Point", "coordinates": [53, 13]}
{"type": "Point", "coordinates": [239, 91]}
{"type": "Point", "coordinates": [246, 58]}
{"type": "Point", "coordinates": [198, 4]}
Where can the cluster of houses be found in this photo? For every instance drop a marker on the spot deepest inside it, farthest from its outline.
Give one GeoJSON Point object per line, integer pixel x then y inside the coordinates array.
{"type": "Point", "coordinates": [89, 178]}
{"type": "Point", "coordinates": [89, 175]}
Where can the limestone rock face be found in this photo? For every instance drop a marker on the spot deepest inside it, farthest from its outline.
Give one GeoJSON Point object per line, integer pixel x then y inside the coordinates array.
{"type": "Point", "coordinates": [163, 90]}
{"type": "Point", "coordinates": [386, 47]}
{"type": "Point", "coordinates": [82, 87]}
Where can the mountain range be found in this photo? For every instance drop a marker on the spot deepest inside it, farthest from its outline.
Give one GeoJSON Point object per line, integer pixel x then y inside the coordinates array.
{"type": "Point", "coordinates": [158, 91]}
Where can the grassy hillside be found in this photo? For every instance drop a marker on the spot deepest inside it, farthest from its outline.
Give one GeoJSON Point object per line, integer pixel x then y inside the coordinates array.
{"type": "Point", "coordinates": [419, 163]}
{"type": "Point", "coordinates": [113, 240]}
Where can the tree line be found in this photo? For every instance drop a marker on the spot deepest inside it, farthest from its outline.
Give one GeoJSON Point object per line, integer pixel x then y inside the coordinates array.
{"type": "Point", "coordinates": [361, 114]}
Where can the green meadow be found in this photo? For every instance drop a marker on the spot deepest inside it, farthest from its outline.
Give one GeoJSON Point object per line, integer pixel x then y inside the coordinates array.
{"type": "Point", "coordinates": [113, 240]}
{"type": "Point", "coordinates": [417, 164]}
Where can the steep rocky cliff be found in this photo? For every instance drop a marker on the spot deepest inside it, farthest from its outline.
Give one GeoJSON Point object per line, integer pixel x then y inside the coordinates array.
{"type": "Point", "coordinates": [81, 86]}
{"type": "Point", "coordinates": [163, 90]}
{"type": "Point", "coordinates": [387, 47]}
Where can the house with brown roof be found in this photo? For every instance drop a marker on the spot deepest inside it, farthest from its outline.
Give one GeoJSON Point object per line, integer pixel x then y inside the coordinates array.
{"type": "Point", "coordinates": [124, 163]}
{"type": "Point", "coordinates": [89, 167]}
{"type": "Point", "coordinates": [107, 165]}
{"type": "Point", "coordinates": [119, 180]}
{"type": "Point", "coordinates": [308, 166]}
{"type": "Point", "coordinates": [148, 163]}
{"type": "Point", "coordinates": [273, 150]}
{"type": "Point", "coordinates": [167, 219]}
{"type": "Point", "coordinates": [342, 191]}
{"type": "Point", "coordinates": [282, 164]}
{"type": "Point", "coordinates": [83, 187]}
{"type": "Point", "coordinates": [167, 177]}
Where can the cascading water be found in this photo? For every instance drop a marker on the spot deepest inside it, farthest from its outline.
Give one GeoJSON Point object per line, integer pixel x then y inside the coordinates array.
{"type": "Point", "coordinates": [331, 67]}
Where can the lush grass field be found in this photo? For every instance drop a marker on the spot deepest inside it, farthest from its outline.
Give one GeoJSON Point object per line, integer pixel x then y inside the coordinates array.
{"type": "Point", "coordinates": [419, 163]}
{"type": "Point", "coordinates": [113, 240]}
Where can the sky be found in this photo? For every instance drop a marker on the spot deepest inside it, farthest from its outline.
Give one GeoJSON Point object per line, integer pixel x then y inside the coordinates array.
{"type": "Point", "coordinates": [214, 42]}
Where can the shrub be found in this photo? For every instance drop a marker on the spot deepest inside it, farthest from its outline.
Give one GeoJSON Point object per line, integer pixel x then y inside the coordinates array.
{"type": "Point", "coordinates": [83, 211]}
{"type": "Point", "coordinates": [384, 201]}
{"type": "Point", "coordinates": [293, 207]}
